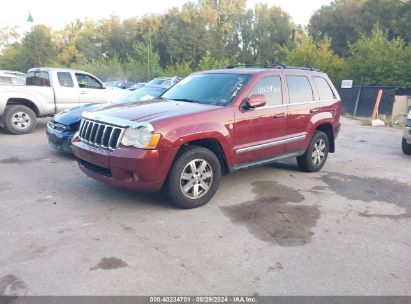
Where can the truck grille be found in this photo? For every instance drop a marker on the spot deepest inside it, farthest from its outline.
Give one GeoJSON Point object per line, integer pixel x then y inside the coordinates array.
{"type": "Point", "coordinates": [100, 134]}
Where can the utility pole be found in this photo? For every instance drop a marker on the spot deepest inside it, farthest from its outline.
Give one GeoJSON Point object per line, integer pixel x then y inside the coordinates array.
{"type": "Point", "coordinates": [148, 58]}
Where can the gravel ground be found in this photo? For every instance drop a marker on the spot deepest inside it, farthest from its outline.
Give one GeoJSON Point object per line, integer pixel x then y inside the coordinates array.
{"type": "Point", "coordinates": [270, 230]}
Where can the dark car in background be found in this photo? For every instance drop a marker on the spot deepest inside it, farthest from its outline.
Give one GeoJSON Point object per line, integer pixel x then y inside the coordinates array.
{"type": "Point", "coordinates": [62, 127]}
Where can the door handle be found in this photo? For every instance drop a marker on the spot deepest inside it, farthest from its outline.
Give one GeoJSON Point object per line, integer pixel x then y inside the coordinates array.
{"type": "Point", "coordinates": [314, 110]}
{"type": "Point", "coordinates": [279, 115]}
{"type": "Point", "coordinates": [83, 92]}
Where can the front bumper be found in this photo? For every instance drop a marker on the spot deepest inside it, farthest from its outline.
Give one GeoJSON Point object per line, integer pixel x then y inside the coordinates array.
{"type": "Point", "coordinates": [139, 169]}
{"type": "Point", "coordinates": [60, 140]}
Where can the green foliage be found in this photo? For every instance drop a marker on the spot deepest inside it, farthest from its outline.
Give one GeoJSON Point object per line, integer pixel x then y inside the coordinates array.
{"type": "Point", "coordinates": [319, 55]}
{"type": "Point", "coordinates": [103, 68]}
{"type": "Point", "coordinates": [342, 40]}
{"type": "Point", "coordinates": [207, 62]}
{"type": "Point", "coordinates": [377, 60]}
{"type": "Point", "coordinates": [178, 69]}
{"type": "Point", "coordinates": [36, 49]}
{"type": "Point", "coordinates": [272, 33]}
{"type": "Point", "coordinates": [345, 20]}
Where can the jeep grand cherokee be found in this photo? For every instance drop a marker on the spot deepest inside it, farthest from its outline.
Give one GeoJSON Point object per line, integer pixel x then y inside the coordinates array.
{"type": "Point", "coordinates": [210, 124]}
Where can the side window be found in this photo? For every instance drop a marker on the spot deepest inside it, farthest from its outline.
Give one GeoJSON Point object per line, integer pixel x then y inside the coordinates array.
{"type": "Point", "coordinates": [65, 79]}
{"type": "Point", "coordinates": [270, 87]}
{"type": "Point", "coordinates": [37, 78]}
{"type": "Point", "coordinates": [299, 89]}
{"type": "Point", "coordinates": [88, 82]}
{"type": "Point", "coordinates": [324, 90]}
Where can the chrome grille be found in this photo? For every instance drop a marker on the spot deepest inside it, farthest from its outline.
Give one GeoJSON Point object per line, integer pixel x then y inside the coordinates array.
{"type": "Point", "coordinates": [100, 134]}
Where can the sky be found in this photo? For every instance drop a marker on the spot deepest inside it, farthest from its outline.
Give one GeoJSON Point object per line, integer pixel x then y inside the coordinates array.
{"type": "Point", "coordinates": [56, 14]}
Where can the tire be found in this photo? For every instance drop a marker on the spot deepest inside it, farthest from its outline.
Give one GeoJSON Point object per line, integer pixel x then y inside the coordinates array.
{"type": "Point", "coordinates": [316, 154]}
{"type": "Point", "coordinates": [19, 119]}
{"type": "Point", "coordinates": [406, 147]}
{"type": "Point", "coordinates": [186, 183]}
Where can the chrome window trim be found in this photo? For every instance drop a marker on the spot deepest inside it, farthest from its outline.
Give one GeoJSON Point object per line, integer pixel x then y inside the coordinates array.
{"type": "Point", "coordinates": [270, 107]}
{"type": "Point", "coordinates": [272, 144]}
{"type": "Point", "coordinates": [305, 102]}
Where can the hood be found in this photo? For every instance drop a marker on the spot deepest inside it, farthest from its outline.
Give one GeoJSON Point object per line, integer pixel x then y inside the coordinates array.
{"type": "Point", "coordinates": [73, 116]}
{"type": "Point", "coordinates": [156, 109]}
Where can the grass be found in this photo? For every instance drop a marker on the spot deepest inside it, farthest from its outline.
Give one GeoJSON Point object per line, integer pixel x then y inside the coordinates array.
{"type": "Point", "coordinates": [389, 122]}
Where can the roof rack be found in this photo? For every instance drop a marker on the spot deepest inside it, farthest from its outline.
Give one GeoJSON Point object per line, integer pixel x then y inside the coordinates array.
{"type": "Point", "coordinates": [272, 66]}
{"type": "Point", "coordinates": [264, 66]}
{"type": "Point", "coordinates": [309, 68]}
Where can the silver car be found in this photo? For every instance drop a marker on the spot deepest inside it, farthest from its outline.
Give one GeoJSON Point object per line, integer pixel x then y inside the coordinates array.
{"type": "Point", "coordinates": [406, 140]}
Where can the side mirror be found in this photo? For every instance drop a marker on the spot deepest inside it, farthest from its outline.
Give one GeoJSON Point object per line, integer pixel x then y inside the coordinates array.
{"type": "Point", "coordinates": [256, 101]}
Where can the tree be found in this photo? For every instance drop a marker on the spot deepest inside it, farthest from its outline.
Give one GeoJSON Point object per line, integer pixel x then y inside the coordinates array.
{"type": "Point", "coordinates": [36, 49]}
{"type": "Point", "coordinates": [272, 32]}
{"type": "Point", "coordinates": [344, 21]}
{"type": "Point", "coordinates": [380, 61]}
{"type": "Point", "coordinates": [318, 55]}
{"type": "Point", "coordinates": [179, 69]}
{"type": "Point", "coordinates": [207, 62]}
{"type": "Point", "coordinates": [8, 36]}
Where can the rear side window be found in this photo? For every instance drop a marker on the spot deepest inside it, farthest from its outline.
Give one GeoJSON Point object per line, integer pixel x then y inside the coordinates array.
{"type": "Point", "coordinates": [299, 89]}
{"type": "Point", "coordinates": [270, 87]}
{"type": "Point", "coordinates": [65, 79]}
{"type": "Point", "coordinates": [38, 78]}
{"type": "Point", "coordinates": [324, 90]}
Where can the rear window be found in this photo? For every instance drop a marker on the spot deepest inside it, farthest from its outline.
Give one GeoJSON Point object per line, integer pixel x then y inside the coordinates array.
{"type": "Point", "coordinates": [38, 78]}
{"type": "Point", "coordinates": [65, 79]}
{"type": "Point", "coordinates": [324, 90]}
{"type": "Point", "coordinates": [299, 89]}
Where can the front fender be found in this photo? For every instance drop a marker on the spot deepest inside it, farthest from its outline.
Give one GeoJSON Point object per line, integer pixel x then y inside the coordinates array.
{"type": "Point", "coordinates": [42, 105]}
{"type": "Point", "coordinates": [176, 138]}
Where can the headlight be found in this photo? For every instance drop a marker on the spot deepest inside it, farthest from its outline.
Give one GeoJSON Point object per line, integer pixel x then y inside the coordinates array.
{"type": "Point", "coordinates": [142, 137]}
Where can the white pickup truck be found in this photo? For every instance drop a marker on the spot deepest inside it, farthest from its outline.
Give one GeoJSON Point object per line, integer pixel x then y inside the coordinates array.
{"type": "Point", "coordinates": [47, 92]}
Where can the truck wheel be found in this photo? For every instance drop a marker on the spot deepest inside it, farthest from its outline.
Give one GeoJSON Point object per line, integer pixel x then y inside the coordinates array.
{"type": "Point", "coordinates": [316, 154]}
{"type": "Point", "coordinates": [406, 147]}
{"type": "Point", "coordinates": [194, 177]}
{"type": "Point", "coordinates": [19, 119]}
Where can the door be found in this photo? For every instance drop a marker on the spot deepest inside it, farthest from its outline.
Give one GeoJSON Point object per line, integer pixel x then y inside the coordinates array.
{"type": "Point", "coordinates": [260, 133]}
{"type": "Point", "coordinates": [67, 94]}
{"type": "Point", "coordinates": [91, 89]}
{"type": "Point", "coordinates": [302, 106]}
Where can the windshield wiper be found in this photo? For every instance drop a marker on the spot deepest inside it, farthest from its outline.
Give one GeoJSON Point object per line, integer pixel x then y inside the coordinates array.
{"type": "Point", "coordinates": [185, 100]}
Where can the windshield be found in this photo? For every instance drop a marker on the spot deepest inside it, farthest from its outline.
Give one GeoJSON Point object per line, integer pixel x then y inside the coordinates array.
{"type": "Point", "coordinates": [144, 93]}
{"type": "Point", "coordinates": [213, 89]}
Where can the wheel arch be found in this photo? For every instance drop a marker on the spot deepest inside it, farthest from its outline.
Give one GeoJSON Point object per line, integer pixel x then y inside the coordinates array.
{"type": "Point", "coordinates": [24, 102]}
{"type": "Point", "coordinates": [327, 128]}
{"type": "Point", "coordinates": [211, 144]}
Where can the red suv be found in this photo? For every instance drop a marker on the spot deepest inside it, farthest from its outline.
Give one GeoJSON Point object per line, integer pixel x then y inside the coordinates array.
{"type": "Point", "coordinates": [209, 124]}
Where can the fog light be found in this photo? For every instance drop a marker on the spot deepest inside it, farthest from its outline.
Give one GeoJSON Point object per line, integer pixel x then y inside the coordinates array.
{"type": "Point", "coordinates": [135, 177]}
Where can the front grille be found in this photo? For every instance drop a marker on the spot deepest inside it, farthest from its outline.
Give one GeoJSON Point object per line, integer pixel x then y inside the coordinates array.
{"type": "Point", "coordinates": [100, 134]}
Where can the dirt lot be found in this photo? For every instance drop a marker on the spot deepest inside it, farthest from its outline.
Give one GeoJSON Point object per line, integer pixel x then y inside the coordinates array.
{"type": "Point", "coordinates": [269, 231]}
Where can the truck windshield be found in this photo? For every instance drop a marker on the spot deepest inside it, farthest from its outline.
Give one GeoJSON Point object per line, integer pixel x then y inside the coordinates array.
{"type": "Point", "coordinates": [208, 88]}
